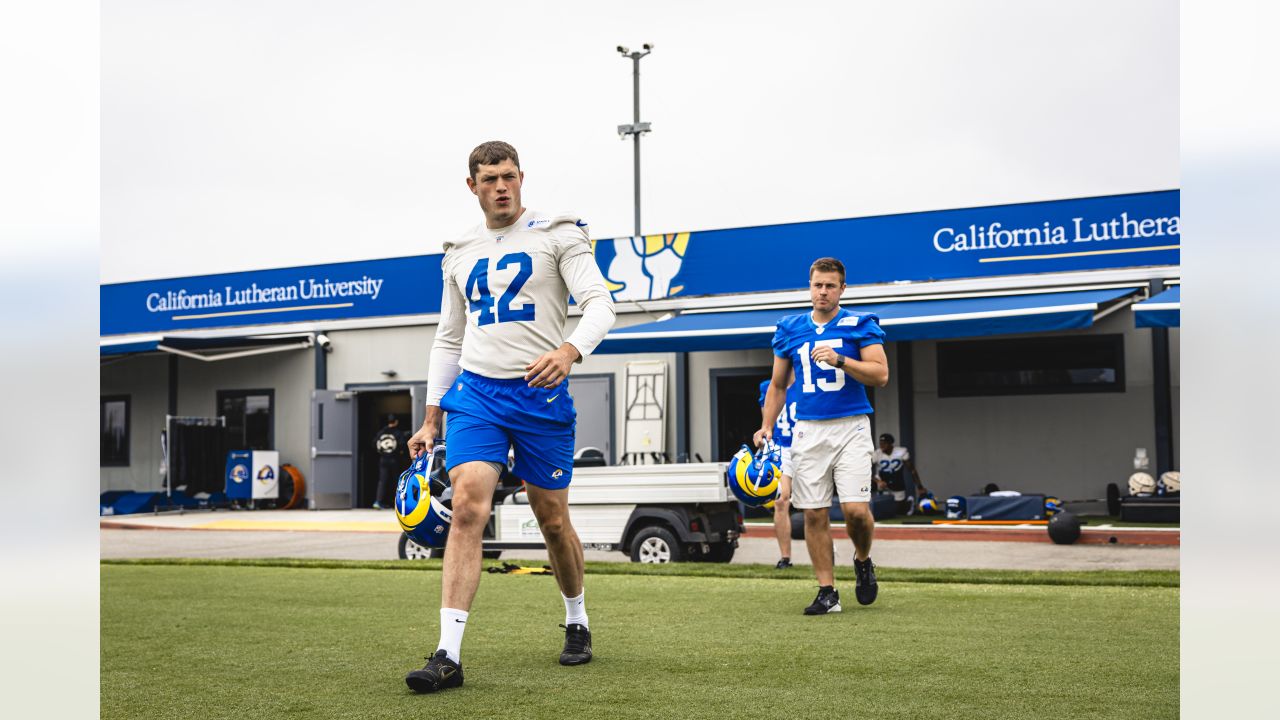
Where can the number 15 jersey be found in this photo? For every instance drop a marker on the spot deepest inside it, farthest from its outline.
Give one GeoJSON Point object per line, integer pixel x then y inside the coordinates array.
{"type": "Point", "coordinates": [825, 391]}
{"type": "Point", "coordinates": [506, 293]}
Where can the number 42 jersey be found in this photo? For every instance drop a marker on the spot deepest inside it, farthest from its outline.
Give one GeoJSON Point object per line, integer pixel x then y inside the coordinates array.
{"type": "Point", "coordinates": [506, 293]}
{"type": "Point", "coordinates": [825, 391]}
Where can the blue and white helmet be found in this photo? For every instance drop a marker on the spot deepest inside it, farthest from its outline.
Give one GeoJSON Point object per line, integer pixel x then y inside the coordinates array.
{"type": "Point", "coordinates": [422, 498]}
{"type": "Point", "coordinates": [754, 477]}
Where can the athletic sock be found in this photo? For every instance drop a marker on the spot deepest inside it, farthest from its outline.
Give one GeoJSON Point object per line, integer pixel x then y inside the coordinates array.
{"type": "Point", "coordinates": [575, 610]}
{"type": "Point", "coordinates": [452, 624]}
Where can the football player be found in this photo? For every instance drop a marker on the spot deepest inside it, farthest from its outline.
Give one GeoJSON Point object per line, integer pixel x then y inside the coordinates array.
{"type": "Point", "coordinates": [834, 354]}
{"type": "Point", "coordinates": [891, 466]}
{"type": "Point", "coordinates": [782, 504]}
{"type": "Point", "coordinates": [499, 366]}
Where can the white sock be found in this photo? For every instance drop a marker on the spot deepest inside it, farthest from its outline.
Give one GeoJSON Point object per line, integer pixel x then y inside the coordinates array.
{"type": "Point", "coordinates": [452, 624]}
{"type": "Point", "coordinates": [575, 610]}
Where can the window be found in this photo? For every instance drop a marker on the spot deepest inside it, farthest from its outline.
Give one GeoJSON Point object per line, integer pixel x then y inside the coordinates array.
{"type": "Point", "coordinates": [114, 444]}
{"type": "Point", "coordinates": [1031, 366]}
{"type": "Point", "coordinates": [250, 418]}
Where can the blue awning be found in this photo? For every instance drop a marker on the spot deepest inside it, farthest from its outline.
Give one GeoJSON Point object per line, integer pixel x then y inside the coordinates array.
{"type": "Point", "coordinates": [1163, 310]}
{"type": "Point", "coordinates": [915, 320]}
{"type": "Point", "coordinates": [127, 348]}
{"type": "Point", "coordinates": [233, 346]}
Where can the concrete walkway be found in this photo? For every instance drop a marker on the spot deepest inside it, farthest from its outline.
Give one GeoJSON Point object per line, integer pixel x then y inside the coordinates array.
{"type": "Point", "coordinates": [373, 535]}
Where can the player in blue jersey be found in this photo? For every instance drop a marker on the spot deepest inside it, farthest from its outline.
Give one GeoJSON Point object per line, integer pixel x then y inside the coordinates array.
{"type": "Point", "coordinates": [782, 504]}
{"type": "Point", "coordinates": [834, 354]}
{"type": "Point", "coordinates": [499, 366]}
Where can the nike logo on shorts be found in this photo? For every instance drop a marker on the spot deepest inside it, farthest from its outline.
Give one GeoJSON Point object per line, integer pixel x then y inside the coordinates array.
{"type": "Point", "coordinates": [553, 397]}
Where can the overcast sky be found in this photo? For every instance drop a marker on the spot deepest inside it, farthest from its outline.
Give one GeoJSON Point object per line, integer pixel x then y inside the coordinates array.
{"type": "Point", "coordinates": [242, 135]}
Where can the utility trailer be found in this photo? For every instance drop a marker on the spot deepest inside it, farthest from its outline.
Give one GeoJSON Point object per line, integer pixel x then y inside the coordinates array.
{"type": "Point", "coordinates": [652, 513]}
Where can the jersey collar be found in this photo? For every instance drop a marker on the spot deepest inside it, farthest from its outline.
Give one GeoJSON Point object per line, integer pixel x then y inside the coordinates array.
{"type": "Point", "coordinates": [822, 328]}
{"type": "Point", "coordinates": [502, 231]}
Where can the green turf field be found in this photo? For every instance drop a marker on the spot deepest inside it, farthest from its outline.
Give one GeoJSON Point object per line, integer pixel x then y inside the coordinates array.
{"type": "Point", "coordinates": [325, 639]}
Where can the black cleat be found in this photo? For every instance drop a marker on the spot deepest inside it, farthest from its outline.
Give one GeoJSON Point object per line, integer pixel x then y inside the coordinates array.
{"type": "Point", "coordinates": [440, 673]}
{"type": "Point", "coordinates": [828, 601]}
{"type": "Point", "coordinates": [783, 564]}
{"type": "Point", "coordinates": [866, 589]}
{"type": "Point", "coordinates": [577, 645]}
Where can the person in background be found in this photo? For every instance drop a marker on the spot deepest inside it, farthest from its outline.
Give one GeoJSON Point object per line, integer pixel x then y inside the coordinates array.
{"type": "Point", "coordinates": [892, 465]}
{"type": "Point", "coordinates": [782, 438]}
{"type": "Point", "coordinates": [393, 456]}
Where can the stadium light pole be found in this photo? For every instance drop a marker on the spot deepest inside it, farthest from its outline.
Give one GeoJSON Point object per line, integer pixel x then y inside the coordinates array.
{"type": "Point", "coordinates": [636, 128]}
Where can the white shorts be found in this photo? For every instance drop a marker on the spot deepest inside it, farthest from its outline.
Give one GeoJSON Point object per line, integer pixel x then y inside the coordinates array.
{"type": "Point", "coordinates": [831, 458]}
{"type": "Point", "coordinates": [787, 468]}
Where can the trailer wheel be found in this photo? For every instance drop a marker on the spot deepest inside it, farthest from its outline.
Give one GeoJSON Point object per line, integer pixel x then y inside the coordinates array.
{"type": "Point", "coordinates": [656, 544]}
{"type": "Point", "coordinates": [410, 550]}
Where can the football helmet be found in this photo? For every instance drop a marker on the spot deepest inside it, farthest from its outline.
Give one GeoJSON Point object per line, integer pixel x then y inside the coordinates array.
{"type": "Point", "coordinates": [754, 477]}
{"type": "Point", "coordinates": [1052, 506]}
{"type": "Point", "coordinates": [1141, 483]}
{"type": "Point", "coordinates": [422, 499]}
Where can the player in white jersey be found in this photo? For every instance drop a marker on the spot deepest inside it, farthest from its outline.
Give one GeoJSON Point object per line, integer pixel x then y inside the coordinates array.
{"type": "Point", "coordinates": [834, 354]}
{"type": "Point", "coordinates": [891, 464]}
{"type": "Point", "coordinates": [499, 366]}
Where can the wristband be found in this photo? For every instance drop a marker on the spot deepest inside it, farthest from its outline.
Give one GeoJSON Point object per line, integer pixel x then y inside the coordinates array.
{"type": "Point", "coordinates": [839, 361]}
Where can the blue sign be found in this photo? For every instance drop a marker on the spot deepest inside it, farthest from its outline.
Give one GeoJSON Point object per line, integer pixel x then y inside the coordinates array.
{"type": "Point", "coordinates": [1063, 235]}
{"type": "Point", "coordinates": [371, 288]}
{"type": "Point", "coordinates": [1058, 236]}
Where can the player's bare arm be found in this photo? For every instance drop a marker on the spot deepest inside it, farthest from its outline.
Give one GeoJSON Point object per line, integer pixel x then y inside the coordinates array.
{"type": "Point", "coordinates": [553, 367]}
{"type": "Point", "coordinates": [872, 369]}
{"type": "Point", "coordinates": [774, 399]}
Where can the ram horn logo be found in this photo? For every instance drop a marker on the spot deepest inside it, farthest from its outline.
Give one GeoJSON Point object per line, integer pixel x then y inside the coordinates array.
{"type": "Point", "coordinates": [643, 268]}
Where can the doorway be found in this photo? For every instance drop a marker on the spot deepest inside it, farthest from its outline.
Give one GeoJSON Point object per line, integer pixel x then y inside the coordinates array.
{"type": "Point", "coordinates": [373, 406]}
{"type": "Point", "coordinates": [735, 409]}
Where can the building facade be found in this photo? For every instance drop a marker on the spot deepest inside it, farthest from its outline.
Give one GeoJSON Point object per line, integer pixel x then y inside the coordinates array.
{"type": "Point", "coordinates": [1016, 353]}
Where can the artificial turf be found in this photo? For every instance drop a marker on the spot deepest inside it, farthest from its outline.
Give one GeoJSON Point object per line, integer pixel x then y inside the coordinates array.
{"type": "Point", "coordinates": [308, 640]}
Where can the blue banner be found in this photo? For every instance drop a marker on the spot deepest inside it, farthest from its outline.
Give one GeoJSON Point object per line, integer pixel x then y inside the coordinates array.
{"type": "Point", "coordinates": [370, 288]}
{"type": "Point", "coordinates": [1057, 236]}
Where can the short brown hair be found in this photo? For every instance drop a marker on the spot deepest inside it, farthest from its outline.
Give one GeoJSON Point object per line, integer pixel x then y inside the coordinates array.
{"type": "Point", "coordinates": [827, 264]}
{"type": "Point", "coordinates": [491, 153]}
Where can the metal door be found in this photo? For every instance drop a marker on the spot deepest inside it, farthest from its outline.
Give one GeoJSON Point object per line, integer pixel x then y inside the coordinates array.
{"type": "Point", "coordinates": [593, 399]}
{"type": "Point", "coordinates": [333, 439]}
{"type": "Point", "coordinates": [418, 399]}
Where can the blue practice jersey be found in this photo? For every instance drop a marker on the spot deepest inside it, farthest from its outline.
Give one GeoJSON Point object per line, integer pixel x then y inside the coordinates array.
{"type": "Point", "coordinates": [825, 391]}
{"type": "Point", "coordinates": [786, 418]}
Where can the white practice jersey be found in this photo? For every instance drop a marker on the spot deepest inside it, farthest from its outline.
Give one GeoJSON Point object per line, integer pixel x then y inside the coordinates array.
{"type": "Point", "coordinates": [890, 467]}
{"type": "Point", "coordinates": [506, 295]}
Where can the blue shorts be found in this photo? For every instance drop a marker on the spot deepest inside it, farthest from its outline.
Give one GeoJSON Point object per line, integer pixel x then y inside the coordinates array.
{"type": "Point", "coordinates": [487, 417]}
